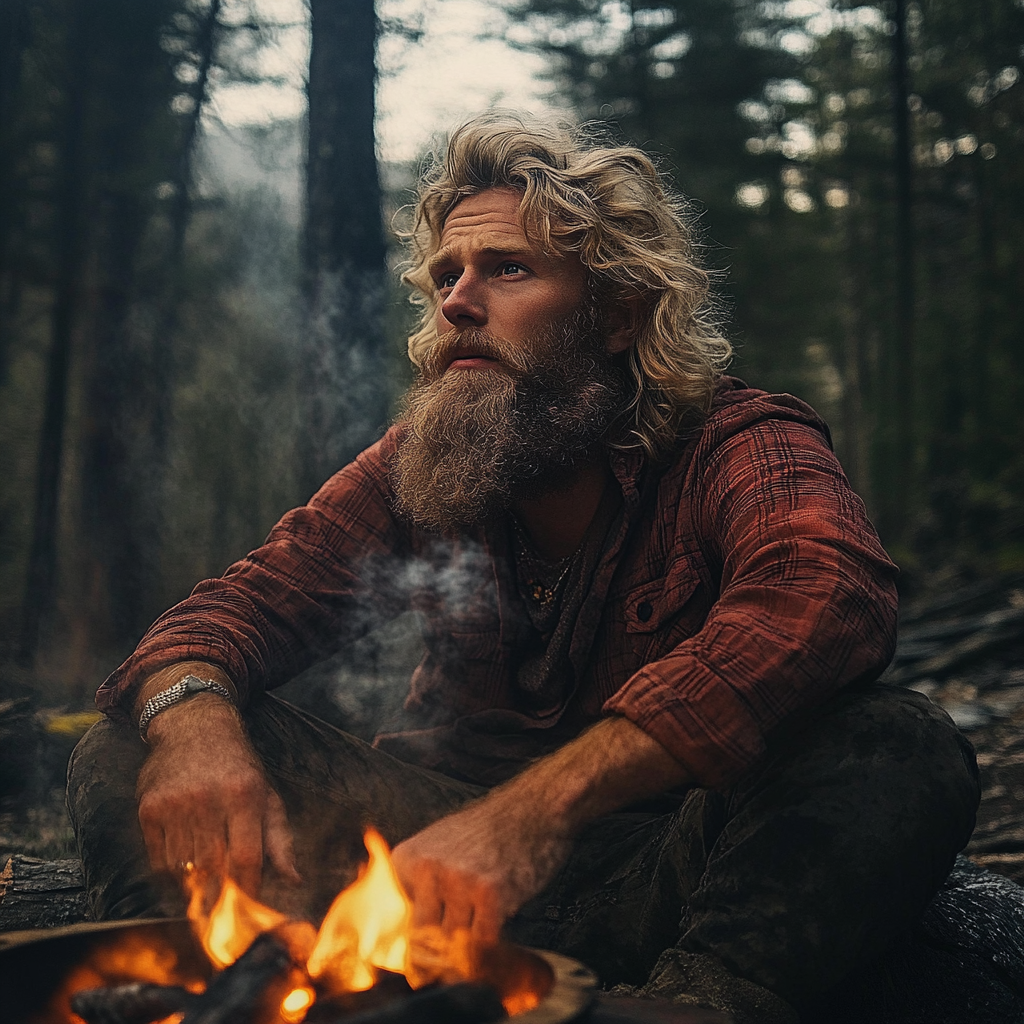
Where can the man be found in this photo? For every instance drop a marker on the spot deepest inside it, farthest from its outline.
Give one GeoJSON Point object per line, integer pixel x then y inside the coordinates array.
{"type": "Point", "coordinates": [645, 723]}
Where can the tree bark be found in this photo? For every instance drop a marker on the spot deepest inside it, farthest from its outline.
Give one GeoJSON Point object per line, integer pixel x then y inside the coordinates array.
{"type": "Point", "coordinates": [41, 894]}
{"type": "Point", "coordinates": [39, 586]}
{"type": "Point", "coordinates": [345, 392]}
{"type": "Point", "coordinates": [134, 144]}
{"type": "Point", "coordinates": [903, 385]}
{"type": "Point", "coordinates": [15, 38]}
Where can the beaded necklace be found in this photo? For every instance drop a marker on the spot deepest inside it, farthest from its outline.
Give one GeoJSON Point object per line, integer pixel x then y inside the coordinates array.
{"type": "Point", "coordinates": [540, 579]}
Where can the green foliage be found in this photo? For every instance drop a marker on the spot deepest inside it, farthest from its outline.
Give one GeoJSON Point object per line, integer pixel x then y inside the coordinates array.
{"type": "Point", "coordinates": [231, 469]}
{"type": "Point", "coordinates": [176, 422]}
{"type": "Point", "coordinates": [782, 130]}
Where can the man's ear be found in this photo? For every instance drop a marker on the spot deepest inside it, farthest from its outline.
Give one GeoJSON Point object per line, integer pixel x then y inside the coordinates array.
{"type": "Point", "coordinates": [623, 320]}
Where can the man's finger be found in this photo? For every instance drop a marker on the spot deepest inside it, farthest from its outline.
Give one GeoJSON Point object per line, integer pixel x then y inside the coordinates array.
{"type": "Point", "coordinates": [278, 843]}
{"type": "Point", "coordinates": [210, 847]}
{"type": "Point", "coordinates": [427, 905]}
{"type": "Point", "coordinates": [245, 850]}
{"type": "Point", "coordinates": [458, 912]}
{"type": "Point", "coordinates": [487, 919]}
{"type": "Point", "coordinates": [178, 848]}
{"type": "Point", "coordinates": [156, 843]}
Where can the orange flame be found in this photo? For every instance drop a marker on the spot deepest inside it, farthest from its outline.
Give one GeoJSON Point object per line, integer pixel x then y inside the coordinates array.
{"type": "Point", "coordinates": [118, 961]}
{"type": "Point", "coordinates": [295, 1005]}
{"type": "Point", "coordinates": [234, 921]}
{"type": "Point", "coordinates": [367, 926]}
{"type": "Point", "coordinates": [367, 929]}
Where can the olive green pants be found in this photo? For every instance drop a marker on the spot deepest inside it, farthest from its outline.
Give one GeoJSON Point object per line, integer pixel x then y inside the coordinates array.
{"type": "Point", "coordinates": [811, 866]}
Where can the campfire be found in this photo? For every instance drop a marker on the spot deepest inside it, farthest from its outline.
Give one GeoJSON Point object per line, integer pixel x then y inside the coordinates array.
{"type": "Point", "coordinates": [366, 964]}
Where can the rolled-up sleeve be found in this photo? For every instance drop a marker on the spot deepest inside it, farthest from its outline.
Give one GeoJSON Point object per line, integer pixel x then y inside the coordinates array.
{"type": "Point", "coordinates": [305, 592]}
{"type": "Point", "coordinates": [807, 603]}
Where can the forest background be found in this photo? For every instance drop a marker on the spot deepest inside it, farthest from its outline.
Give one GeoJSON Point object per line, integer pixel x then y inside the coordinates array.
{"type": "Point", "coordinates": [185, 354]}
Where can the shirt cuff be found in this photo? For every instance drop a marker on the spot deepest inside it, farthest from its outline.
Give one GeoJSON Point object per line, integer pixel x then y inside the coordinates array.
{"type": "Point", "coordinates": [697, 717]}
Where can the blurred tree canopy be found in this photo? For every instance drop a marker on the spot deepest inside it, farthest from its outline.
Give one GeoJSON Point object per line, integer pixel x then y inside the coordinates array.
{"type": "Point", "coordinates": [173, 363]}
{"type": "Point", "coordinates": [777, 118]}
{"type": "Point", "coordinates": [150, 381]}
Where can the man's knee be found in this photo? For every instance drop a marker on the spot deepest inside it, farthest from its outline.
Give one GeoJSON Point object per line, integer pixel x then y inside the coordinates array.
{"type": "Point", "coordinates": [104, 765]}
{"type": "Point", "coordinates": [899, 748]}
{"type": "Point", "coordinates": [102, 775]}
{"type": "Point", "coordinates": [836, 842]}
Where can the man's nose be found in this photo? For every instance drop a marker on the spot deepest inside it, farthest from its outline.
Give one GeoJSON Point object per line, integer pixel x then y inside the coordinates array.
{"type": "Point", "coordinates": [464, 305]}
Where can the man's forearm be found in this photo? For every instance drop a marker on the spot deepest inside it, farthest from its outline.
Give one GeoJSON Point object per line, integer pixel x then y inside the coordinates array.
{"type": "Point", "coordinates": [608, 767]}
{"type": "Point", "coordinates": [478, 866]}
{"type": "Point", "coordinates": [203, 795]}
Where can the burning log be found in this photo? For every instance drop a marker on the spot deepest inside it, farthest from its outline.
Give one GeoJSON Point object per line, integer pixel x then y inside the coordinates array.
{"type": "Point", "coordinates": [463, 1003]}
{"type": "Point", "coordinates": [131, 1004]}
{"type": "Point", "coordinates": [388, 988]}
{"type": "Point", "coordinates": [250, 990]}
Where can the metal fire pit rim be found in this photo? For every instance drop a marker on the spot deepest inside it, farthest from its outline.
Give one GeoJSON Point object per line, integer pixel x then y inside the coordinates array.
{"type": "Point", "coordinates": [27, 936]}
{"type": "Point", "coordinates": [573, 989]}
{"type": "Point", "coordinates": [572, 993]}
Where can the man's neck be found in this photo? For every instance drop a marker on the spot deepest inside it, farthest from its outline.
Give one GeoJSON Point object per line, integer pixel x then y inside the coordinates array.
{"type": "Point", "coordinates": [558, 521]}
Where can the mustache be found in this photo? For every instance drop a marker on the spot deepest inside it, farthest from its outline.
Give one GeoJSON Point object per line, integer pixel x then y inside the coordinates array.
{"type": "Point", "coordinates": [517, 359]}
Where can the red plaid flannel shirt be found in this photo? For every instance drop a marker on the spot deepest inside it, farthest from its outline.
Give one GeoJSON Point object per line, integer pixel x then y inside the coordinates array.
{"type": "Point", "coordinates": [744, 588]}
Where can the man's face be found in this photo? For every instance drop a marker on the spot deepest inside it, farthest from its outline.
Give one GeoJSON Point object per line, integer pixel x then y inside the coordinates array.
{"type": "Point", "coordinates": [518, 390]}
{"type": "Point", "coordinates": [490, 276]}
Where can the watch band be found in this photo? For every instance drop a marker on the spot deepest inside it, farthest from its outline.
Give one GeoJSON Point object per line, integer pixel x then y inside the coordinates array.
{"type": "Point", "coordinates": [184, 688]}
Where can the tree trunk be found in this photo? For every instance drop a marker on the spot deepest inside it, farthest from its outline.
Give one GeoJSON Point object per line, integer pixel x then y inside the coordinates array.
{"type": "Point", "coordinates": [15, 36]}
{"type": "Point", "coordinates": [855, 433]}
{"type": "Point", "coordinates": [39, 585]}
{"type": "Point", "coordinates": [903, 388]}
{"type": "Point", "coordinates": [127, 394]}
{"type": "Point", "coordinates": [345, 392]}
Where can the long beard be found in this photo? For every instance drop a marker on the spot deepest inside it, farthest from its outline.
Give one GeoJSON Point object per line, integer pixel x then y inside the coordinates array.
{"type": "Point", "coordinates": [478, 440]}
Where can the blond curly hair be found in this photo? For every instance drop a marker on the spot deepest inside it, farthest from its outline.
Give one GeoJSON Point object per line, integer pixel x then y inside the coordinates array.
{"type": "Point", "coordinates": [609, 204]}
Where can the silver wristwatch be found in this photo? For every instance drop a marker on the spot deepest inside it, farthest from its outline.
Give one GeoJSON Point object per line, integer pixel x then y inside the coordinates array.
{"type": "Point", "coordinates": [181, 690]}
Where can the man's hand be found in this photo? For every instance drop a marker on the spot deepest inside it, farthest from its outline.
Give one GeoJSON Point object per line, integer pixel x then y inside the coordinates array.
{"type": "Point", "coordinates": [475, 868]}
{"type": "Point", "coordinates": [203, 797]}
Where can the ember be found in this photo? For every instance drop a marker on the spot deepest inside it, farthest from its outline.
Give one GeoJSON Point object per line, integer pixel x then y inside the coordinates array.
{"type": "Point", "coordinates": [360, 967]}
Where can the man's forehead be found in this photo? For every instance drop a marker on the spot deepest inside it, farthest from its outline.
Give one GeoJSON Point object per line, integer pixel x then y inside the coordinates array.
{"type": "Point", "coordinates": [491, 214]}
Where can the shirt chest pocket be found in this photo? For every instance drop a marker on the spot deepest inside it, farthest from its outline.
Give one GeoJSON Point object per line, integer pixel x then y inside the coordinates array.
{"type": "Point", "coordinates": [662, 612]}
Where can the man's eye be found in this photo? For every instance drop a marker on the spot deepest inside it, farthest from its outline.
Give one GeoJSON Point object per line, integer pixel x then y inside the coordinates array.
{"type": "Point", "coordinates": [447, 281]}
{"type": "Point", "coordinates": [511, 269]}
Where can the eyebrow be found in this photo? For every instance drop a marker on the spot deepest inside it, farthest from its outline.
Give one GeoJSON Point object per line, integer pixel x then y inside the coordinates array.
{"type": "Point", "coordinates": [446, 255]}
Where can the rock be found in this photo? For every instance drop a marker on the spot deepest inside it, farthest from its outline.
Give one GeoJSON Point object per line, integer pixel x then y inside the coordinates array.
{"type": "Point", "coordinates": [965, 962]}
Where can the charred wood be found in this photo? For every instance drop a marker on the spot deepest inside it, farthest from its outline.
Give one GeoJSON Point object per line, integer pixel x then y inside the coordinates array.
{"type": "Point", "coordinates": [464, 1003]}
{"type": "Point", "coordinates": [388, 988]}
{"type": "Point", "coordinates": [250, 990]}
{"type": "Point", "coordinates": [131, 1004]}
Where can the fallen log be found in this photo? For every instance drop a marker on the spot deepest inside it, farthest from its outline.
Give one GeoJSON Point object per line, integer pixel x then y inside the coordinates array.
{"type": "Point", "coordinates": [997, 629]}
{"type": "Point", "coordinates": [42, 894]}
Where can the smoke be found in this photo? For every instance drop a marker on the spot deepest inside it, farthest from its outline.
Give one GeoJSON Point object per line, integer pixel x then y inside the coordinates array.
{"type": "Point", "coordinates": [343, 372]}
{"type": "Point", "coordinates": [365, 684]}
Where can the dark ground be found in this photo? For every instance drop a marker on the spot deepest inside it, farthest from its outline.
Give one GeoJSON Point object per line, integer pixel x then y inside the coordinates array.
{"type": "Point", "coordinates": [964, 648]}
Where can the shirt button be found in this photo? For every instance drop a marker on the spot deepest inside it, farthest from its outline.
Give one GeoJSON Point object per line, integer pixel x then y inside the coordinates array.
{"type": "Point", "coordinates": [644, 610]}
